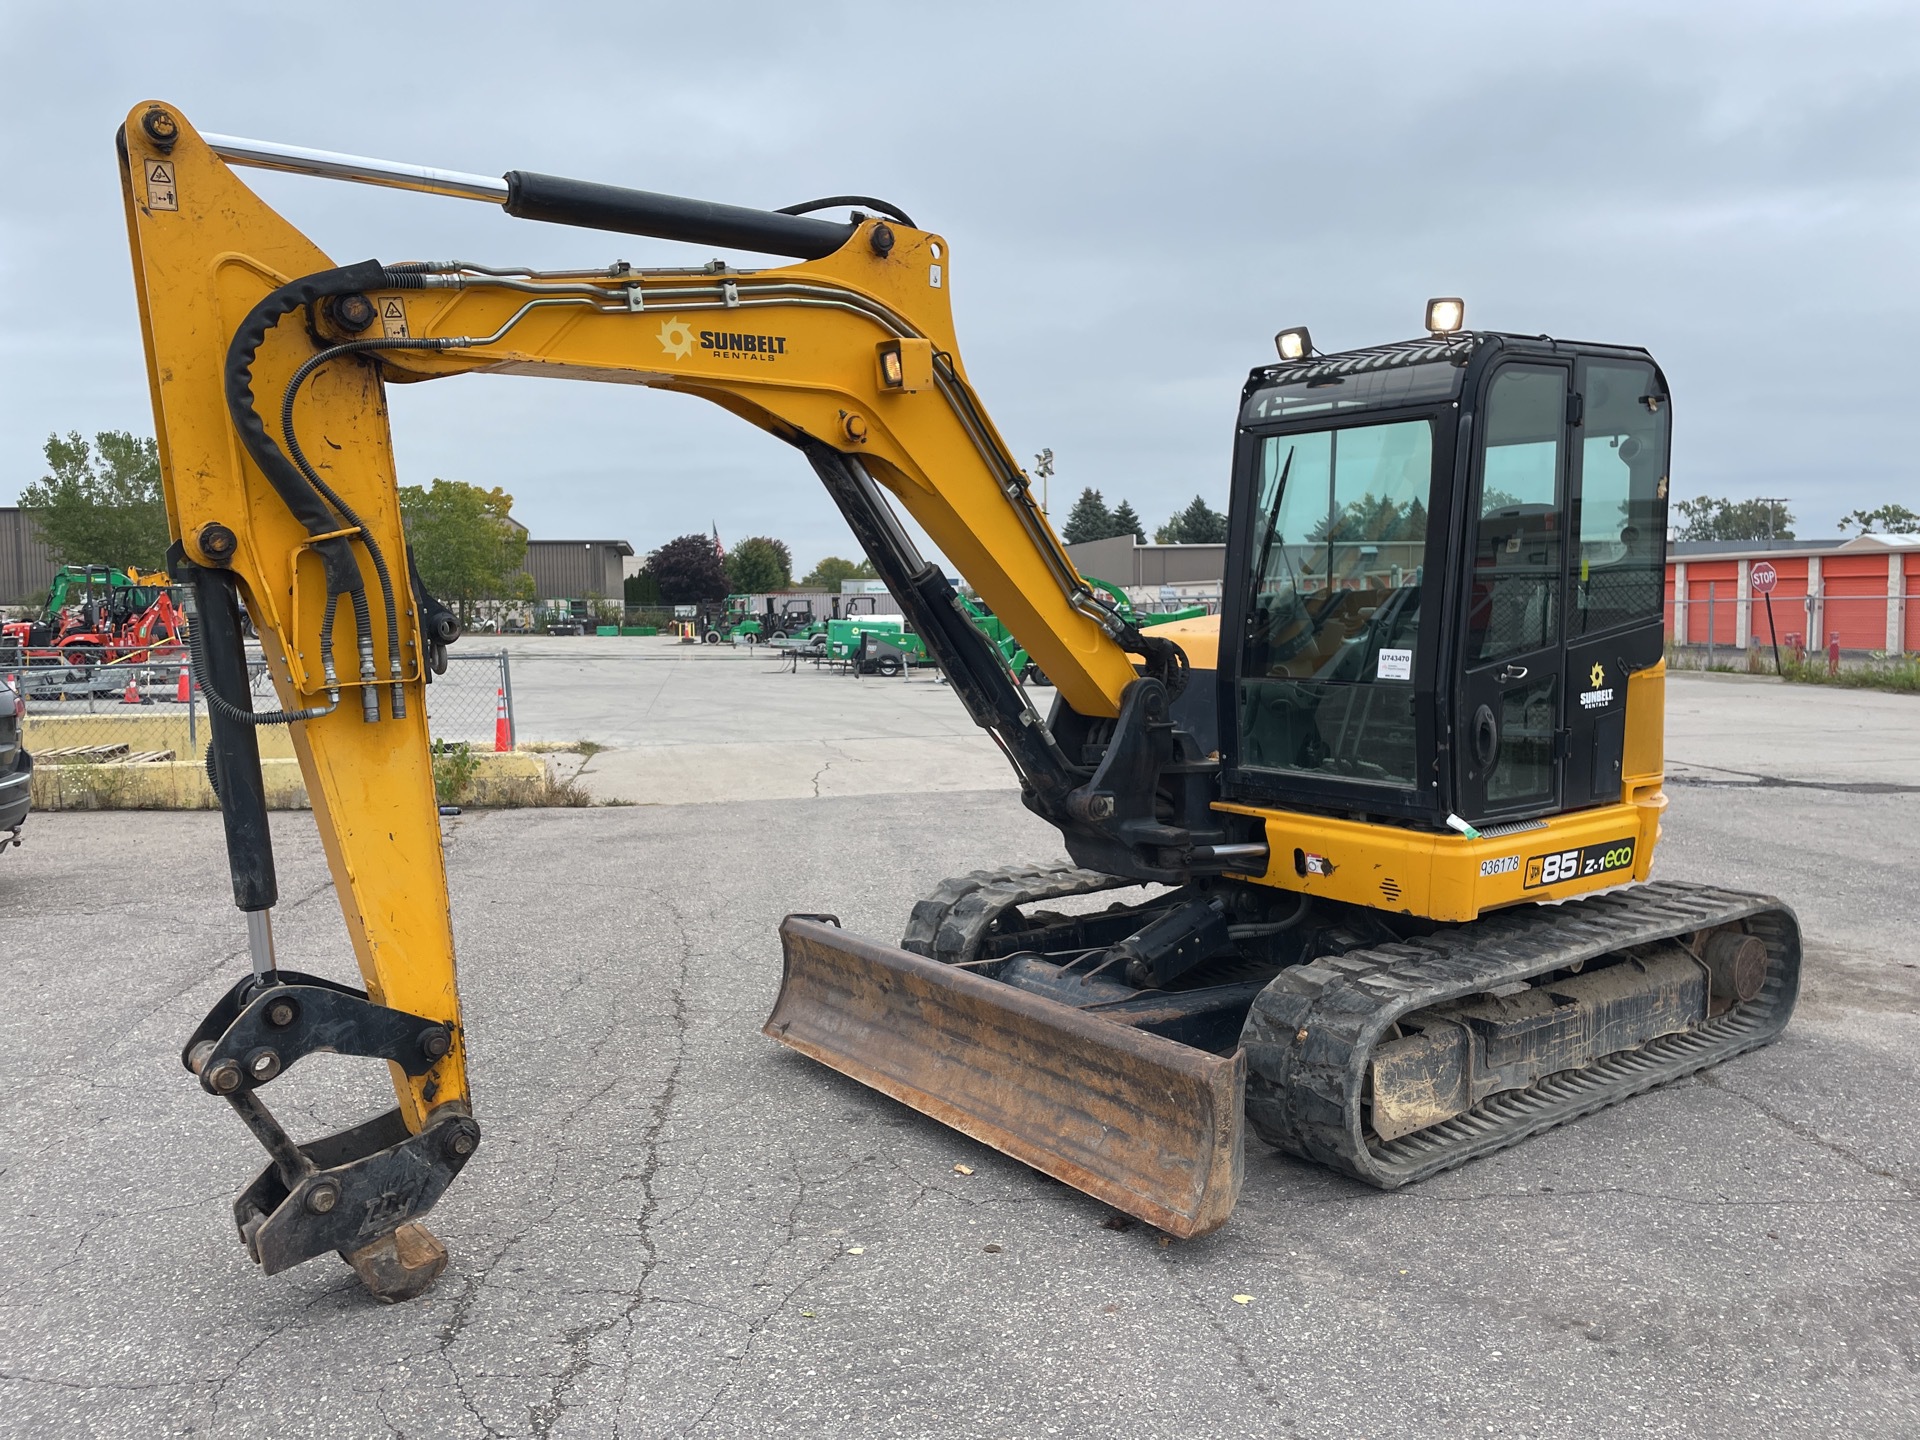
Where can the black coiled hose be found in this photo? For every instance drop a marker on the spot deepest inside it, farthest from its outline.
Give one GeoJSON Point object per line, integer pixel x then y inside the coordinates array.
{"type": "Point", "coordinates": [230, 711]}
{"type": "Point", "coordinates": [304, 493]}
{"type": "Point", "coordinates": [347, 513]}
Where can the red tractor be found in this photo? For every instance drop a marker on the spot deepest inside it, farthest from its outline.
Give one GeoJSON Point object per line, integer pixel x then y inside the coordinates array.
{"type": "Point", "coordinates": [99, 616]}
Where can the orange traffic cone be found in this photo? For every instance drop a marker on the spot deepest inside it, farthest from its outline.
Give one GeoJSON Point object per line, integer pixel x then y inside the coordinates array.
{"type": "Point", "coordinates": [184, 692]}
{"type": "Point", "coordinates": [132, 697]}
{"type": "Point", "coordinates": [502, 726]}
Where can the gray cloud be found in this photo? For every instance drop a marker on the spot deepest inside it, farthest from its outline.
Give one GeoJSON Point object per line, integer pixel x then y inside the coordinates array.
{"type": "Point", "coordinates": [1136, 196]}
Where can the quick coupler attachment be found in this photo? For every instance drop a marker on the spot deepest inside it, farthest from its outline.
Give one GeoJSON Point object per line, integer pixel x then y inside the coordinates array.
{"type": "Point", "coordinates": [359, 1192]}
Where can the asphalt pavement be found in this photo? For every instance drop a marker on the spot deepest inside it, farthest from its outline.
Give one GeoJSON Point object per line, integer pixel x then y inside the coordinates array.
{"type": "Point", "coordinates": [675, 1227]}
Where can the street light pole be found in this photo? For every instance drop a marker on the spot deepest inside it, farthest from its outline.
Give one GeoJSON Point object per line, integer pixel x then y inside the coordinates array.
{"type": "Point", "coordinates": [1043, 467]}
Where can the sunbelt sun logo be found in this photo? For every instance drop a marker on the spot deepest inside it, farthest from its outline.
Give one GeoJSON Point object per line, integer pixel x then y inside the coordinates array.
{"type": "Point", "coordinates": [679, 339]}
{"type": "Point", "coordinates": [1601, 695]}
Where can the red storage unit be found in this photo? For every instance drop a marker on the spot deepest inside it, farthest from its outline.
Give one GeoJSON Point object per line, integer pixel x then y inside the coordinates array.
{"type": "Point", "coordinates": [1717, 581]}
{"type": "Point", "coordinates": [1850, 597]}
{"type": "Point", "coordinates": [1854, 600]}
{"type": "Point", "coordinates": [1789, 600]}
{"type": "Point", "coordinates": [1911, 640]}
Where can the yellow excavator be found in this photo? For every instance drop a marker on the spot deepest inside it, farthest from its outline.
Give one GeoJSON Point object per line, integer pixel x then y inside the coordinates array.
{"type": "Point", "coordinates": [1380, 833]}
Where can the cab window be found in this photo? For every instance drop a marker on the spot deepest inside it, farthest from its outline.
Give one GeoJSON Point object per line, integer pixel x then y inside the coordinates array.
{"type": "Point", "coordinates": [1326, 682]}
{"type": "Point", "coordinates": [1623, 497]}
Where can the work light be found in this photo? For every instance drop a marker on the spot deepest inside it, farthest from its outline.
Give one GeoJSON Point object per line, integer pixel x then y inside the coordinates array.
{"type": "Point", "coordinates": [1294, 344]}
{"type": "Point", "coordinates": [1446, 314]}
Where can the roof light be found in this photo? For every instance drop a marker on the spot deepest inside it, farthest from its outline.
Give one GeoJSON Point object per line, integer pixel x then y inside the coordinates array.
{"type": "Point", "coordinates": [1294, 344]}
{"type": "Point", "coordinates": [1446, 314]}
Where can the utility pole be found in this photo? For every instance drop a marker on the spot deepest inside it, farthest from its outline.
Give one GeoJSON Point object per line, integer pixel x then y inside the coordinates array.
{"type": "Point", "coordinates": [1043, 467]}
{"type": "Point", "coordinates": [1775, 505]}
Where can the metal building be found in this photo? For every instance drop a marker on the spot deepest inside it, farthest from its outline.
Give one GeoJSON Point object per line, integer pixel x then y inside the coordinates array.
{"type": "Point", "coordinates": [576, 569]}
{"type": "Point", "coordinates": [1154, 574]}
{"type": "Point", "coordinates": [26, 566]}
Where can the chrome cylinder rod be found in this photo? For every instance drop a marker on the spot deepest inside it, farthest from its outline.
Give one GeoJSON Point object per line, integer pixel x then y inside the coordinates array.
{"type": "Point", "coordinates": [260, 943]}
{"type": "Point", "coordinates": [298, 160]}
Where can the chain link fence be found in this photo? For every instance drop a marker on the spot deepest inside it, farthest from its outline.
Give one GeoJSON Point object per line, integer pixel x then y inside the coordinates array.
{"type": "Point", "coordinates": [1718, 628]}
{"type": "Point", "coordinates": [120, 713]}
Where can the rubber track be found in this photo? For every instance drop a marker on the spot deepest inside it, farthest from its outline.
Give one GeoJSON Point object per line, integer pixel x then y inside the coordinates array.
{"type": "Point", "coordinates": [951, 924]}
{"type": "Point", "coordinates": [1311, 1032]}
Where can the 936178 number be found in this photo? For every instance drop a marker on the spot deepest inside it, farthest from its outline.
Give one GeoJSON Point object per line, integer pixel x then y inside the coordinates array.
{"type": "Point", "coordinates": [1578, 864]}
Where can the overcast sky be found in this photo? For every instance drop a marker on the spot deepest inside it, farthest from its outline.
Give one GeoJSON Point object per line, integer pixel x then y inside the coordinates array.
{"type": "Point", "coordinates": [1136, 197]}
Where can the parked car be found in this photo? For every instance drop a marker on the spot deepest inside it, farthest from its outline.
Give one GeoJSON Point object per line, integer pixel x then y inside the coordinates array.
{"type": "Point", "coordinates": [16, 765]}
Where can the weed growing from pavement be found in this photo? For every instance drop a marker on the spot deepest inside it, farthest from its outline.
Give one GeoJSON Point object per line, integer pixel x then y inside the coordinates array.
{"type": "Point", "coordinates": [1878, 671]}
{"type": "Point", "coordinates": [588, 748]}
{"type": "Point", "coordinates": [454, 767]}
{"type": "Point", "coordinates": [1900, 673]}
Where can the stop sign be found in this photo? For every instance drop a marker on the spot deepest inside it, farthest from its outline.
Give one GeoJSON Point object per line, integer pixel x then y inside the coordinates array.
{"type": "Point", "coordinates": [1764, 578]}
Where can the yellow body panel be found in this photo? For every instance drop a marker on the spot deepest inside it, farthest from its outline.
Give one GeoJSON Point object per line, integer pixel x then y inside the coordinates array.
{"type": "Point", "coordinates": [1199, 637]}
{"type": "Point", "coordinates": [1447, 876]}
{"type": "Point", "coordinates": [1643, 759]}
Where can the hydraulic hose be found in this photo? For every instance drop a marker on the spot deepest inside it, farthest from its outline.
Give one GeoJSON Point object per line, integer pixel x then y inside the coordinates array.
{"type": "Point", "coordinates": [305, 495]}
{"type": "Point", "coordinates": [833, 202]}
{"type": "Point", "coordinates": [1260, 929]}
{"type": "Point", "coordinates": [306, 503]}
{"type": "Point", "coordinates": [346, 511]}
{"type": "Point", "coordinates": [230, 711]}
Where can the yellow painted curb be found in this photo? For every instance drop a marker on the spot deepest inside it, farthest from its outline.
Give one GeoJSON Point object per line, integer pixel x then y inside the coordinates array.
{"type": "Point", "coordinates": [182, 784]}
{"type": "Point", "coordinates": [140, 728]}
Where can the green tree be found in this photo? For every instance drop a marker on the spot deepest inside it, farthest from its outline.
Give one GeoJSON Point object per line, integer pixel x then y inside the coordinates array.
{"type": "Point", "coordinates": [1708, 518]}
{"type": "Point", "coordinates": [641, 589]}
{"type": "Point", "coordinates": [1198, 524]}
{"type": "Point", "coordinates": [831, 571]}
{"type": "Point", "coordinates": [1089, 520]}
{"type": "Point", "coordinates": [466, 547]}
{"type": "Point", "coordinates": [759, 564]}
{"type": "Point", "coordinates": [101, 504]}
{"type": "Point", "coordinates": [687, 570]}
{"type": "Point", "coordinates": [1125, 522]}
{"type": "Point", "coordinates": [1887, 519]}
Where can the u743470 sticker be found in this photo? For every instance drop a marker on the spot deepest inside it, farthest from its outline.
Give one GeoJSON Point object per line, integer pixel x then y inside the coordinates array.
{"type": "Point", "coordinates": [1579, 864]}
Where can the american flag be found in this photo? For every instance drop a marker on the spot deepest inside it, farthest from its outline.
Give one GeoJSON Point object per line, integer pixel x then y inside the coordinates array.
{"type": "Point", "coordinates": [719, 550]}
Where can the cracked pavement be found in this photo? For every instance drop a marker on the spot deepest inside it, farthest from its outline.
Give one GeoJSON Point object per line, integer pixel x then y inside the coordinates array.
{"type": "Point", "coordinates": [674, 1227]}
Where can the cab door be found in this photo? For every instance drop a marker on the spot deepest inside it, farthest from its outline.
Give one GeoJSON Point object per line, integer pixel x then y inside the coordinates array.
{"type": "Point", "coordinates": [1616, 584]}
{"type": "Point", "coordinates": [1509, 742]}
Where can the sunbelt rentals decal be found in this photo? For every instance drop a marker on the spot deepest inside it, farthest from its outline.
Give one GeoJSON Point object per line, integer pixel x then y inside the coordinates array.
{"type": "Point", "coordinates": [1601, 695]}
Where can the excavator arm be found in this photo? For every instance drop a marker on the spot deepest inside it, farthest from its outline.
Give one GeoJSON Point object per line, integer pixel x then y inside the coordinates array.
{"type": "Point", "coordinates": [269, 365]}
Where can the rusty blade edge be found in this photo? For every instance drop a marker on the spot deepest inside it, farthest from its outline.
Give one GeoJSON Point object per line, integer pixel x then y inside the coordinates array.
{"type": "Point", "coordinates": [1215, 1139]}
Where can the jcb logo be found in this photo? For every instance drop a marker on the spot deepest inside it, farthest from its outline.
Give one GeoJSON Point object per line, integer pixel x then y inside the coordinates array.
{"type": "Point", "coordinates": [1552, 869]}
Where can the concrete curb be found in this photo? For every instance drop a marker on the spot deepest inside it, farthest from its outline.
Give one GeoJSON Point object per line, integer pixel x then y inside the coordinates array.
{"type": "Point", "coordinates": [181, 783]}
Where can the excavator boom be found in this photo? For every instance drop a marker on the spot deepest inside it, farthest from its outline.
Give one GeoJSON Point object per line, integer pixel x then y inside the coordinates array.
{"type": "Point", "coordinates": [269, 363]}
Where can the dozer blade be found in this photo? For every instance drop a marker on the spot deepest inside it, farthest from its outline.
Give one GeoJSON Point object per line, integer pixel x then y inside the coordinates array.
{"type": "Point", "coordinates": [1149, 1126]}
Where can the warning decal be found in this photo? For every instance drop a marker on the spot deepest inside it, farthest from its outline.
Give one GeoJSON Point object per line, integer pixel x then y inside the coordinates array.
{"type": "Point", "coordinates": [393, 318]}
{"type": "Point", "coordinates": [160, 192]}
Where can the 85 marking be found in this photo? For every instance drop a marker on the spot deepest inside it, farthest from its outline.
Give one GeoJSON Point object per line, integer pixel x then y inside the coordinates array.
{"type": "Point", "coordinates": [1578, 864]}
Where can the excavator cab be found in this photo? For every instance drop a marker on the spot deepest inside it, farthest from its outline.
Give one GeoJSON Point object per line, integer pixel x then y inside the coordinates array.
{"type": "Point", "coordinates": [1446, 559]}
